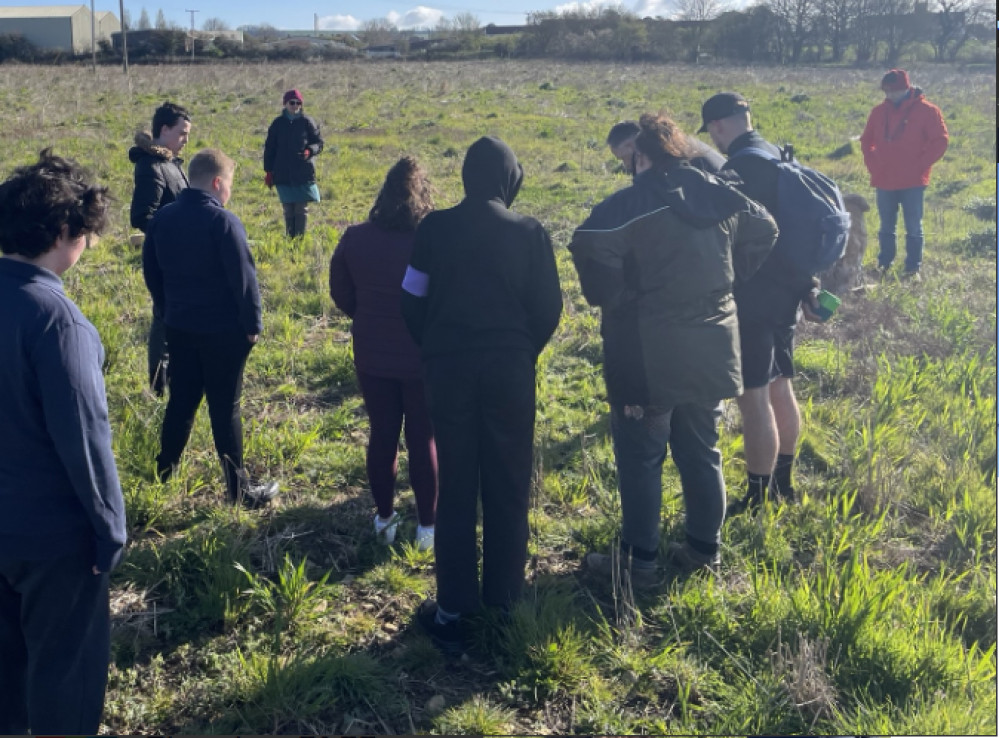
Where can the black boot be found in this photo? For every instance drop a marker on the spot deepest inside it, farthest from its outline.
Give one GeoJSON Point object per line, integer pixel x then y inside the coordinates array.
{"type": "Point", "coordinates": [289, 219]}
{"type": "Point", "coordinates": [757, 492]}
{"type": "Point", "coordinates": [781, 485]}
{"type": "Point", "coordinates": [301, 218]}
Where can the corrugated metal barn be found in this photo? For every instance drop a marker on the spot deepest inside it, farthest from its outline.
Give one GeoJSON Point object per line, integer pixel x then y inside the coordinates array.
{"type": "Point", "coordinates": [63, 27]}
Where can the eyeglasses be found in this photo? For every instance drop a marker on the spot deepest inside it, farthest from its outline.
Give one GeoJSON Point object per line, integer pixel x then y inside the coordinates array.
{"type": "Point", "coordinates": [296, 103]}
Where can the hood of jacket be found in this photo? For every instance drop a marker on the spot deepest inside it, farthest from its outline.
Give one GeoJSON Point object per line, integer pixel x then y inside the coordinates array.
{"type": "Point", "coordinates": [695, 197]}
{"type": "Point", "coordinates": [145, 146]}
{"type": "Point", "coordinates": [491, 171]}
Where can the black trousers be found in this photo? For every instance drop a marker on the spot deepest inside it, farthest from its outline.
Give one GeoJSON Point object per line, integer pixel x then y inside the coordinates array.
{"type": "Point", "coordinates": [157, 356]}
{"type": "Point", "coordinates": [206, 366]}
{"type": "Point", "coordinates": [296, 218]}
{"type": "Point", "coordinates": [55, 646]}
{"type": "Point", "coordinates": [482, 406]}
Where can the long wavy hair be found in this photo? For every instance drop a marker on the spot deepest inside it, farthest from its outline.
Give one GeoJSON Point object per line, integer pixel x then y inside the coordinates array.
{"type": "Point", "coordinates": [662, 140]}
{"type": "Point", "coordinates": [404, 199]}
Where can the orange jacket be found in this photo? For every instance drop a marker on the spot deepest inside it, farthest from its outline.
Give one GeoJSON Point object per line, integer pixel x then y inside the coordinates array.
{"type": "Point", "coordinates": [900, 144]}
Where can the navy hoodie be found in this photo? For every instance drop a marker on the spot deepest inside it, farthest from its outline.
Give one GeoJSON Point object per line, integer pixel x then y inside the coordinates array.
{"type": "Point", "coordinates": [198, 267]}
{"type": "Point", "coordinates": [59, 488]}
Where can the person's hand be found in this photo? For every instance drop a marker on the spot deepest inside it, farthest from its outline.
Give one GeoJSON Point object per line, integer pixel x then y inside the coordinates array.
{"type": "Point", "coordinates": [306, 154]}
{"type": "Point", "coordinates": [809, 305]}
{"type": "Point", "coordinates": [253, 338]}
{"type": "Point", "coordinates": [269, 179]}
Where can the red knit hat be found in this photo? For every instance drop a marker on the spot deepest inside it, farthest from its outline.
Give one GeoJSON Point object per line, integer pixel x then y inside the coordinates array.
{"type": "Point", "coordinates": [292, 95]}
{"type": "Point", "coordinates": [896, 80]}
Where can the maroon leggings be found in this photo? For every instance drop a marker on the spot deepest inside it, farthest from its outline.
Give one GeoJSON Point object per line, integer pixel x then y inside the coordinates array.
{"type": "Point", "coordinates": [388, 401]}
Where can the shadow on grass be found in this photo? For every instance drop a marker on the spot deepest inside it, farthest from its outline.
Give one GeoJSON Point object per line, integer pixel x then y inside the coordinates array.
{"type": "Point", "coordinates": [401, 684]}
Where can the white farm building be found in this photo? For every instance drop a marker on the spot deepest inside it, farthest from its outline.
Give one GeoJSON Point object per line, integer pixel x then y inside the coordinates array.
{"type": "Point", "coordinates": [57, 27]}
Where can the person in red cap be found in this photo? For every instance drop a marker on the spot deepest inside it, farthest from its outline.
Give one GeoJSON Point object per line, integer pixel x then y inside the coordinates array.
{"type": "Point", "coordinates": [905, 135]}
{"type": "Point", "coordinates": [293, 142]}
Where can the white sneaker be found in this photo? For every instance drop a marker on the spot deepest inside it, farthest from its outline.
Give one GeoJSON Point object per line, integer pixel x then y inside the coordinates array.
{"type": "Point", "coordinates": [385, 528]}
{"type": "Point", "coordinates": [424, 538]}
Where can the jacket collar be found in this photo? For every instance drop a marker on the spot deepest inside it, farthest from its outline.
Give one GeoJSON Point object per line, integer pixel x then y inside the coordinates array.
{"type": "Point", "coordinates": [30, 273]}
{"type": "Point", "coordinates": [144, 140]}
{"type": "Point", "coordinates": [196, 194]}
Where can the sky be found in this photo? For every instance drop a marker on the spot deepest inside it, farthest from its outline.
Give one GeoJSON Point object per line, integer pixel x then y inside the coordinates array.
{"type": "Point", "coordinates": [348, 15]}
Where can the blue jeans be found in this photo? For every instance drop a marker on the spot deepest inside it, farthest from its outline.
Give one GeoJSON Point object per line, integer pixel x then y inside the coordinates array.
{"type": "Point", "coordinates": [911, 202]}
{"type": "Point", "coordinates": [640, 450]}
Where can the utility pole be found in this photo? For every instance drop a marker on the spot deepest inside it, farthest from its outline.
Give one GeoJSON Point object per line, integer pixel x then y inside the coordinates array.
{"type": "Point", "coordinates": [192, 12]}
{"type": "Point", "coordinates": [93, 36]}
{"type": "Point", "coordinates": [124, 37]}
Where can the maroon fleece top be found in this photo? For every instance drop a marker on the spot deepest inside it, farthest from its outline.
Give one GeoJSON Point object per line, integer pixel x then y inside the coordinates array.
{"type": "Point", "coordinates": [365, 282]}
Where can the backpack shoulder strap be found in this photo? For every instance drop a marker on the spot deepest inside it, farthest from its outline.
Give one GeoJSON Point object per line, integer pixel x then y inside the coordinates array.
{"type": "Point", "coordinates": [754, 151]}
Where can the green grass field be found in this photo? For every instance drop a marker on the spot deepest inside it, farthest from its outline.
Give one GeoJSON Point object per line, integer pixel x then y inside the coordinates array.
{"type": "Point", "coordinates": [870, 607]}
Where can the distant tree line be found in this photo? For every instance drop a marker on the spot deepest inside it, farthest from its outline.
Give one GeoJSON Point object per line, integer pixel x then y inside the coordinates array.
{"type": "Point", "coordinates": [781, 31]}
{"type": "Point", "coordinates": [157, 45]}
{"type": "Point", "coordinates": [772, 31]}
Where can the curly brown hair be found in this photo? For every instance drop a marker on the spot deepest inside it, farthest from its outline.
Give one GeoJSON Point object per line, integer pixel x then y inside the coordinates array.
{"type": "Point", "coordinates": [39, 199]}
{"type": "Point", "coordinates": [662, 140]}
{"type": "Point", "coordinates": [404, 199]}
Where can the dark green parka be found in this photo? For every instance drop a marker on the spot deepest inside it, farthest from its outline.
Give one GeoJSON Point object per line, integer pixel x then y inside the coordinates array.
{"type": "Point", "coordinates": [660, 259]}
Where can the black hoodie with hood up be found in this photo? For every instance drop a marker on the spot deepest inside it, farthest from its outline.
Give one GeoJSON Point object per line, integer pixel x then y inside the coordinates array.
{"type": "Point", "coordinates": [481, 276]}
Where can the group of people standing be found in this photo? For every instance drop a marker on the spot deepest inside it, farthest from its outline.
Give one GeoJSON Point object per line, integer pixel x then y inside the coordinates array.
{"type": "Point", "coordinates": [200, 273]}
{"type": "Point", "coordinates": [450, 310]}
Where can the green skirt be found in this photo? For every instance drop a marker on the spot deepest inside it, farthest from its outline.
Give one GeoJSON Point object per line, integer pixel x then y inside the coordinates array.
{"type": "Point", "coordinates": [298, 193]}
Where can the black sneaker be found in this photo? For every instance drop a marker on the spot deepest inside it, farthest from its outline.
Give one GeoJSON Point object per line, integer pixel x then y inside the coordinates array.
{"type": "Point", "coordinates": [780, 493]}
{"type": "Point", "coordinates": [749, 502]}
{"type": "Point", "coordinates": [448, 638]}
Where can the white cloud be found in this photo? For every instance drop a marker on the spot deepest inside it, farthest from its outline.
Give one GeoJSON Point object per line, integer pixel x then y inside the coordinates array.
{"type": "Point", "coordinates": [419, 17]}
{"type": "Point", "coordinates": [653, 8]}
{"type": "Point", "coordinates": [339, 23]}
{"type": "Point", "coordinates": [587, 6]}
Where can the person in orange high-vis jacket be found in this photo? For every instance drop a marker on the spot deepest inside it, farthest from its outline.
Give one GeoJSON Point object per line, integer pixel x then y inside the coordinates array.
{"type": "Point", "coordinates": [904, 137]}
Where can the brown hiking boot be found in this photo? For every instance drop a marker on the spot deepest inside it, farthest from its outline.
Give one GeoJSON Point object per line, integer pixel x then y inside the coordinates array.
{"type": "Point", "coordinates": [615, 567]}
{"type": "Point", "coordinates": [682, 558]}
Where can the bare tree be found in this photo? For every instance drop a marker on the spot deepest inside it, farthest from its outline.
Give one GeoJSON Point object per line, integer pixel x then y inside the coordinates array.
{"type": "Point", "coordinates": [465, 23]}
{"type": "Point", "coordinates": [144, 24]}
{"type": "Point", "coordinates": [895, 26]}
{"type": "Point", "coordinates": [834, 20]}
{"type": "Point", "coordinates": [952, 28]}
{"type": "Point", "coordinates": [443, 27]}
{"type": "Point", "coordinates": [161, 21]}
{"type": "Point", "coordinates": [865, 30]}
{"type": "Point", "coordinates": [378, 31]}
{"type": "Point", "coordinates": [215, 24]}
{"type": "Point", "coordinates": [796, 22]}
{"type": "Point", "coordinates": [698, 10]}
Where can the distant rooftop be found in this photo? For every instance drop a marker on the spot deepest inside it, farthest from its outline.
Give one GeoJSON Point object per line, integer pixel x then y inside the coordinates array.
{"type": "Point", "coordinates": [40, 11]}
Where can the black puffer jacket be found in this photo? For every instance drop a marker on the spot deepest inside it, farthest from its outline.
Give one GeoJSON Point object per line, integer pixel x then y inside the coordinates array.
{"type": "Point", "coordinates": [660, 259]}
{"type": "Point", "coordinates": [159, 178]}
{"type": "Point", "coordinates": [287, 138]}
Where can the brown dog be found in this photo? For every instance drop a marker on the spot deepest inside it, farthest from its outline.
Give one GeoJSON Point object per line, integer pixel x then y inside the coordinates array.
{"type": "Point", "coordinates": [847, 273]}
